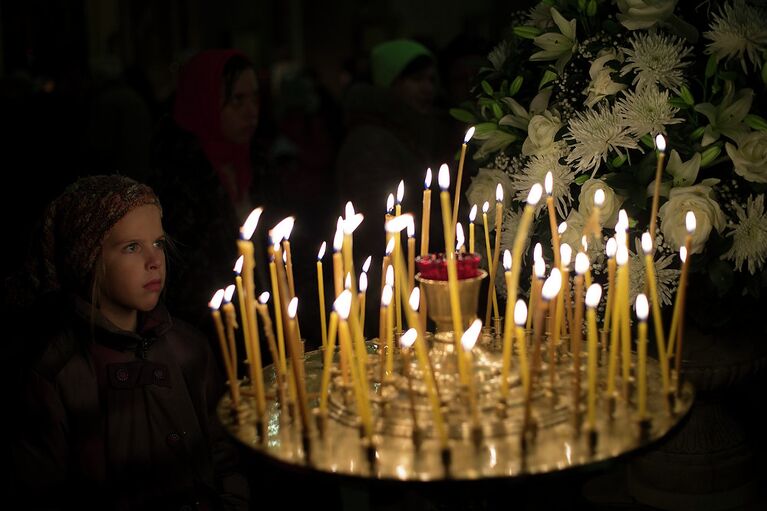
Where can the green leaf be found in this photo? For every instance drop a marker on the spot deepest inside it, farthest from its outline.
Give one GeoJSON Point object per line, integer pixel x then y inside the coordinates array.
{"type": "Point", "coordinates": [619, 160]}
{"type": "Point", "coordinates": [648, 141]}
{"type": "Point", "coordinates": [515, 85]}
{"type": "Point", "coordinates": [764, 74]}
{"type": "Point", "coordinates": [679, 102]}
{"type": "Point", "coordinates": [548, 76]}
{"type": "Point", "coordinates": [582, 179]}
{"type": "Point", "coordinates": [487, 88]}
{"type": "Point", "coordinates": [709, 155]}
{"type": "Point", "coordinates": [756, 122]}
{"type": "Point", "coordinates": [711, 66]}
{"type": "Point", "coordinates": [497, 111]}
{"type": "Point", "coordinates": [462, 115]}
{"type": "Point", "coordinates": [686, 95]}
{"type": "Point", "coordinates": [527, 32]}
{"type": "Point", "coordinates": [591, 9]}
{"type": "Point", "coordinates": [483, 130]}
{"type": "Point", "coordinates": [695, 135]}
{"type": "Point", "coordinates": [497, 141]}
{"type": "Point", "coordinates": [728, 75]}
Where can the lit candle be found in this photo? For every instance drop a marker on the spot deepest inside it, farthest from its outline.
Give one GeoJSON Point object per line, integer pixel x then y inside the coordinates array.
{"type": "Point", "coordinates": [321, 294]}
{"type": "Point", "coordinates": [389, 320]}
{"type": "Point", "coordinates": [389, 214]}
{"type": "Point", "coordinates": [656, 315]}
{"type": "Point", "coordinates": [660, 144]}
{"type": "Point", "coordinates": [426, 213]}
{"type": "Point", "coordinates": [485, 209]}
{"type": "Point", "coordinates": [507, 330]}
{"type": "Point", "coordinates": [539, 270]}
{"type": "Point", "coordinates": [520, 317]}
{"type": "Point", "coordinates": [406, 342]}
{"type": "Point", "coordinates": [552, 342]}
{"type": "Point", "coordinates": [460, 238]}
{"type": "Point", "coordinates": [214, 304]}
{"type": "Point", "coordinates": [610, 248]}
{"type": "Point", "coordinates": [385, 334]}
{"type": "Point", "coordinates": [623, 301]}
{"type": "Point", "coordinates": [297, 364]}
{"type": "Point", "coordinates": [289, 262]}
{"type": "Point", "coordinates": [468, 340]}
{"type": "Point", "coordinates": [361, 298]}
{"type": "Point", "coordinates": [411, 255]}
{"type": "Point", "coordinates": [642, 310]}
{"type": "Point", "coordinates": [338, 263]}
{"type": "Point", "coordinates": [472, 217]}
{"type": "Point", "coordinates": [263, 298]}
{"type": "Point", "coordinates": [278, 314]}
{"type": "Point", "coordinates": [594, 224]}
{"type": "Point", "coordinates": [466, 138]}
{"type": "Point", "coordinates": [452, 271]}
{"type": "Point", "coordinates": [327, 362]}
{"type": "Point", "coordinates": [243, 306]}
{"type": "Point", "coordinates": [593, 294]}
{"type": "Point", "coordinates": [677, 319]}
{"type": "Point", "coordinates": [519, 240]}
{"type": "Point", "coordinates": [581, 265]}
{"type": "Point", "coordinates": [491, 294]}
{"type": "Point", "coordinates": [549, 186]}
{"type": "Point", "coordinates": [230, 320]}
{"type": "Point", "coordinates": [386, 261]}
{"type": "Point", "coordinates": [621, 258]}
{"type": "Point", "coordinates": [563, 300]}
{"type": "Point", "coordinates": [397, 258]}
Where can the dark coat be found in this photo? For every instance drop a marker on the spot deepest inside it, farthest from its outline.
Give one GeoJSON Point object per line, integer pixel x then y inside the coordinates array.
{"type": "Point", "coordinates": [120, 420]}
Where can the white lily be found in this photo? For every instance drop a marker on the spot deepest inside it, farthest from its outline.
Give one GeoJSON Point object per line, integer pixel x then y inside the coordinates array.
{"type": "Point", "coordinates": [554, 46]}
{"type": "Point", "coordinates": [727, 117]}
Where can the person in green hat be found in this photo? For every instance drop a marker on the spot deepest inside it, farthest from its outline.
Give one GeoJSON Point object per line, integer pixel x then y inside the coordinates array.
{"type": "Point", "coordinates": [408, 68]}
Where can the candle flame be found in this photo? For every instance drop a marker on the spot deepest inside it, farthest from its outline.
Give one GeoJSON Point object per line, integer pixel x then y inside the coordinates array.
{"type": "Point", "coordinates": [581, 263]}
{"type": "Point", "coordinates": [469, 134]}
{"type": "Point", "coordinates": [498, 193]}
{"type": "Point", "coordinates": [263, 297]}
{"type": "Point", "coordinates": [284, 258]}
{"type": "Point", "coordinates": [366, 264]}
{"type": "Point", "coordinates": [427, 179]}
{"type": "Point", "coordinates": [343, 304]}
{"type": "Point", "coordinates": [249, 227]}
{"type": "Point", "coordinates": [415, 299]}
{"type": "Point", "coordinates": [321, 253]}
{"type": "Point", "coordinates": [338, 238]}
{"type": "Point", "coordinates": [548, 183]}
{"type": "Point", "coordinates": [349, 209]}
{"type": "Point", "coordinates": [611, 247]}
{"type": "Point", "coordinates": [520, 314]}
{"type": "Point", "coordinates": [215, 301]}
{"type": "Point", "coordinates": [593, 294]}
{"type": "Point", "coordinates": [623, 219]}
{"type": "Point", "coordinates": [389, 280]}
{"type": "Point", "coordinates": [683, 253]}
{"type": "Point", "coordinates": [238, 265]}
{"type": "Point", "coordinates": [470, 336]}
{"type": "Point", "coordinates": [459, 236]}
{"type": "Point", "coordinates": [348, 281]}
{"type": "Point", "coordinates": [229, 293]}
{"type": "Point", "coordinates": [537, 251]}
{"type": "Point", "coordinates": [599, 197]}
{"type": "Point", "coordinates": [622, 255]}
{"type": "Point", "coordinates": [352, 223]}
{"type": "Point", "coordinates": [363, 282]}
{"type": "Point", "coordinates": [565, 254]}
{"type": "Point", "coordinates": [585, 243]}
{"type": "Point", "coordinates": [408, 338]}
{"type": "Point", "coordinates": [552, 285]}
{"type": "Point", "coordinates": [485, 207]}
{"type": "Point", "coordinates": [562, 228]}
{"type": "Point", "coordinates": [282, 229]}
{"type": "Point", "coordinates": [411, 229]}
{"type": "Point", "coordinates": [646, 243]}
{"type": "Point", "coordinates": [390, 203]}
{"type": "Point", "coordinates": [690, 222]}
{"type": "Point", "coordinates": [473, 213]}
{"type": "Point", "coordinates": [397, 224]}
{"type": "Point", "coordinates": [620, 237]}
{"type": "Point", "coordinates": [400, 191]}
{"type": "Point", "coordinates": [660, 142]}
{"type": "Point", "coordinates": [507, 260]}
{"type": "Point", "coordinates": [386, 295]}
{"type": "Point", "coordinates": [293, 307]}
{"type": "Point", "coordinates": [539, 267]}
{"type": "Point", "coordinates": [443, 178]}
{"type": "Point", "coordinates": [535, 194]}
{"type": "Point", "coordinates": [642, 307]}
{"type": "Point", "coordinates": [390, 246]}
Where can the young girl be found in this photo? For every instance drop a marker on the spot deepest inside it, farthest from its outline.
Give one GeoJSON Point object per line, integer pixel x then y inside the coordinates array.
{"type": "Point", "coordinates": [119, 411]}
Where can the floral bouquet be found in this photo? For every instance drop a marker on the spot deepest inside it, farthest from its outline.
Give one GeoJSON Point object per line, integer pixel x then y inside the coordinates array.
{"type": "Point", "coordinates": [580, 88]}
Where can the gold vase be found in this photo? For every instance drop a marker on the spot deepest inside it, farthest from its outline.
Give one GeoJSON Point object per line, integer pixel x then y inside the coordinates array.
{"type": "Point", "coordinates": [438, 300]}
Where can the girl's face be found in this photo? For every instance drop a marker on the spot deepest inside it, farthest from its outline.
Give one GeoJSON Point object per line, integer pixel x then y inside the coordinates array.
{"type": "Point", "coordinates": [239, 115]}
{"type": "Point", "coordinates": [133, 266]}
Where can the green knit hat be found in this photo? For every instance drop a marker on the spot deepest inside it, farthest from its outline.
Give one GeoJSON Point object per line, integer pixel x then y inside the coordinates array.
{"type": "Point", "coordinates": [389, 59]}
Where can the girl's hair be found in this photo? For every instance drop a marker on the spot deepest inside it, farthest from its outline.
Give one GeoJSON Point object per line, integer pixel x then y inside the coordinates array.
{"type": "Point", "coordinates": [233, 68]}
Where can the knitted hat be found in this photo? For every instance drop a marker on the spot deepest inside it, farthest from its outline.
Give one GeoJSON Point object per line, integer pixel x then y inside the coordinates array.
{"type": "Point", "coordinates": [75, 225]}
{"type": "Point", "coordinates": [389, 59]}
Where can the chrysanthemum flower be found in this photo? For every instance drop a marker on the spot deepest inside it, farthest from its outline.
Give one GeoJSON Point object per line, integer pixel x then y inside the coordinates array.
{"type": "Point", "coordinates": [749, 236]}
{"type": "Point", "coordinates": [646, 111]}
{"type": "Point", "coordinates": [738, 31]}
{"type": "Point", "coordinates": [535, 172]}
{"type": "Point", "coordinates": [656, 59]}
{"type": "Point", "coordinates": [595, 133]}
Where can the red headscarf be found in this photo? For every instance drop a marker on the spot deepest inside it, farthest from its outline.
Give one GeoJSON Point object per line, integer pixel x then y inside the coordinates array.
{"type": "Point", "coordinates": [198, 110]}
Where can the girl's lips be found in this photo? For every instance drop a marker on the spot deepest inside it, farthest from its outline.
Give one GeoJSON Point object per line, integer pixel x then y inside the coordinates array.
{"type": "Point", "coordinates": [153, 285]}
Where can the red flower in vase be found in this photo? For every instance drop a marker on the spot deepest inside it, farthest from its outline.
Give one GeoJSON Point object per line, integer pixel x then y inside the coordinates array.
{"type": "Point", "coordinates": [434, 266]}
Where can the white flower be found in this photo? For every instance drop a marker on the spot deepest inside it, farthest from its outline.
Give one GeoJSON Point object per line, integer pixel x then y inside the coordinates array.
{"type": "Point", "coordinates": [602, 84]}
{"type": "Point", "coordinates": [708, 215]}
{"type": "Point", "coordinates": [749, 237]}
{"type": "Point", "coordinates": [683, 173]}
{"type": "Point", "coordinates": [554, 46]}
{"type": "Point", "coordinates": [666, 279]}
{"type": "Point", "coordinates": [540, 134]}
{"type": "Point", "coordinates": [539, 16]}
{"type": "Point", "coordinates": [750, 157]}
{"type": "Point", "coordinates": [574, 232]}
{"type": "Point", "coordinates": [656, 59]}
{"type": "Point", "coordinates": [636, 14]}
{"type": "Point", "coordinates": [646, 111]}
{"type": "Point", "coordinates": [608, 213]}
{"type": "Point", "coordinates": [595, 133]}
{"type": "Point", "coordinates": [727, 118]}
{"type": "Point", "coordinates": [483, 185]}
{"type": "Point", "coordinates": [738, 31]}
{"type": "Point", "coordinates": [535, 172]}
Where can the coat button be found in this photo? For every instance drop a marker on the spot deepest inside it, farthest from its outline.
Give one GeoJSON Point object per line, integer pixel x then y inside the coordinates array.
{"type": "Point", "coordinates": [122, 375]}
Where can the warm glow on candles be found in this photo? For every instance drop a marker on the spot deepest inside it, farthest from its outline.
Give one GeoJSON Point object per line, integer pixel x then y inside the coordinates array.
{"type": "Point", "coordinates": [366, 264]}
{"type": "Point", "coordinates": [400, 191]}
{"type": "Point", "coordinates": [231, 324]}
{"type": "Point", "coordinates": [656, 314]}
{"type": "Point", "coordinates": [520, 318]}
{"type": "Point", "coordinates": [249, 227]}
{"type": "Point", "coordinates": [321, 294]}
{"type": "Point", "coordinates": [660, 144]}
{"type": "Point", "coordinates": [472, 218]}
{"type": "Point", "coordinates": [460, 239]}
{"type": "Point", "coordinates": [642, 310]}
{"type": "Point", "coordinates": [338, 265]}
{"type": "Point", "coordinates": [468, 340]}
{"type": "Point", "coordinates": [215, 304]}
{"type": "Point", "coordinates": [386, 297]}
{"type": "Point", "coordinates": [466, 138]}
{"type": "Point", "coordinates": [593, 295]}
{"type": "Point", "coordinates": [426, 213]}
{"type": "Point", "coordinates": [507, 260]}
{"type": "Point", "coordinates": [390, 203]}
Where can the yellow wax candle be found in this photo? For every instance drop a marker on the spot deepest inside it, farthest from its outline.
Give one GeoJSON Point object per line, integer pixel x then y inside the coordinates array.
{"type": "Point", "coordinates": [656, 314]}
{"type": "Point", "coordinates": [405, 348]}
{"type": "Point", "coordinates": [452, 271]}
{"type": "Point", "coordinates": [361, 297]}
{"type": "Point", "coordinates": [485, 209]}
{"type": "Point", "coordinates": [230, 317]}
{"type": "Point", "coordinates": [397, 258]}
{"type": "Point", "coordinates": [507, 329]}
{"type": "Point", "coordinates": [621, 258]}
{"type": "Point", "coordinates": [289, 267]}
{"type": "Point", "coordinates": [554, 283]}
{"type": "Point", "coordinates": [297, 365]}
{"type": "Point", "coordinates": [520, 317]}
{"type": "Point", "coordinates": [468, 340]}
{"type": "Point", "coordinates": [411, 259]}
{"type": "Point", "coordinates": [327, 362]}
{"type": "Point", "coordinates": [642, 310]}
{"type": "Point", "coordinates": [563, 300]}
{"type": "Point", "coordinates": [610, 250]}
{"type": "Point", "coordinates": [382, 337]}
{"type": "Point", "coordinates": [660, 144]}
{"type": "Point", "coordinates": [321, 294]}
{"type": "Point", "coordinates": [496, 249]}
{"type": "Point", "coordinates": [457, 199]}
{"type": "Point", "coordinates": [581, 266]}
{"type": "Point", "coordinates": [593, 294]}
{"type": "Point", "coordinates": [690, 223]}
{"type": "Point", "coordinates": [549, 186]}
{"type": "Point", "coordinates": [243, 306]}
{"type": "Point", "coordinates": [386, 262]}
{"type": "Point", "coordinates": [214, 305]}
{"type": "Point", "coordinates": [426, 213]}
{"type": "Point", "coordinates": [625, 329]}
{"type": "Point", "coordinates": [539, 269]}
{"type": "Point", "coordinates": [472, 218]}
{"type": "Point", "coordinates": [282, 361]}
{"type": "Point", "coordinates": [577, 334]}
{"type": "Point", "coordinates": [338, 262]}
{"type": "Point", "coordinates": [389, 328]}
{"type": "Point", "coordinates": [272, 344]}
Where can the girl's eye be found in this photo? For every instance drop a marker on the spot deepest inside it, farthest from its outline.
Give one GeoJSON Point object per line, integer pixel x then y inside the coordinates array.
{"type": "Point", "coordinates": [160, 244]}
{"type": "Point", "coordinates": [131, 247]}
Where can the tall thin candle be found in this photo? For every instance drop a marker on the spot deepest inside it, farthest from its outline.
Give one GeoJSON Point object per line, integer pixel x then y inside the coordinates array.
{"type": "Point", "coordinates": [426, 213]}
{"type": "Point", "coordinates": [215, 304]}
{"type": "Point", "coordinates": [321, 294]}
{"type": "Point", "coordinates": [660, 144]}
{"type": "Point", "coordinates": [472, 218]}
{"type": "Point", "coordinates": [457, 198]}
{"type": "Point", "coordinates": [549, 186]}
{"type": "Point", "coordinates": [642, 310]}
{"type": "Point", "coordinates": [593, 294]}
{"type": "Point", "coordinates": [656, 314]}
